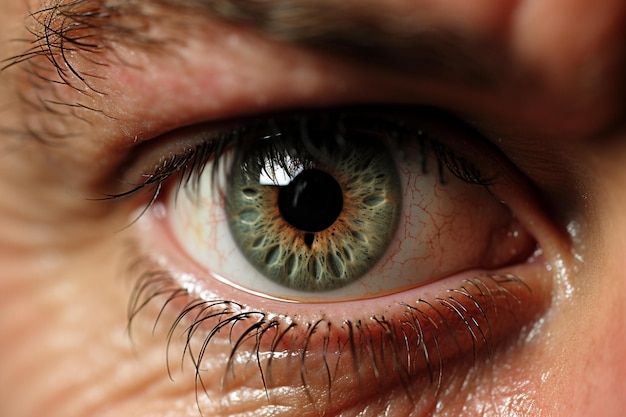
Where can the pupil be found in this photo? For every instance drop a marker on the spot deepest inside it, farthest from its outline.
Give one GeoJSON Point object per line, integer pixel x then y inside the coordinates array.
{"type": "Point", "coordinates": [312, 201]}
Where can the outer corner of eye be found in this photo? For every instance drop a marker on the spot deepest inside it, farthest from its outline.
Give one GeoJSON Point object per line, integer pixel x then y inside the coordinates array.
{"type": "Point", "coordinates": [367, 213]}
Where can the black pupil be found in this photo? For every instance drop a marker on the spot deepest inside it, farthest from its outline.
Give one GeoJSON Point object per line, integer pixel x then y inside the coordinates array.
{"type": "Point", "coordinates": [312, 201]}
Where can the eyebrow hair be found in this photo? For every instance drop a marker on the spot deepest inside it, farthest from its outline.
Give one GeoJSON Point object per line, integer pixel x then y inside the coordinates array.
{"type": "Point", "coordinates": [364, 35]}
{"type": "Point", "coordinates": [368, 36]}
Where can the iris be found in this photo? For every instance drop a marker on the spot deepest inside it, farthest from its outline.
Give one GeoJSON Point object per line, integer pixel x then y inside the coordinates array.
{"type": "Point", "coordinates": [313, 209]}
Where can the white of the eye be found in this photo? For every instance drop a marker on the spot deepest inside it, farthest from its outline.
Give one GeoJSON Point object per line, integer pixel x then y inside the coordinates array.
{"type": "Point", "coordinates": [443, 229]}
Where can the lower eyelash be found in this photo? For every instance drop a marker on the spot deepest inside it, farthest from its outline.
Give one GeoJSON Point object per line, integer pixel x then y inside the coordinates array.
{"type": "Point", "coordinates": [421, 340]}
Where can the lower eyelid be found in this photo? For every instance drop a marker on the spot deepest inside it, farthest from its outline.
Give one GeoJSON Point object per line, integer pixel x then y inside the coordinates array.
{"type": "Point", "coordinates": [420, 335]}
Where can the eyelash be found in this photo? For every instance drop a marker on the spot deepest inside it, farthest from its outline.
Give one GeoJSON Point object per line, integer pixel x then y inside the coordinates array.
{"type": "Point", "coordinates": [189, 165]}
{"type": "Point", "coordinates": [428, 323]}
{"type": "Point", "coordinates": [432, 325]}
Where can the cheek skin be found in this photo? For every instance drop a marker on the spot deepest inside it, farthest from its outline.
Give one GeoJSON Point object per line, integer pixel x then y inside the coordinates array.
{"type": "Point", "coordinates": [64, 343]}
{"type": "Point", "coordinates": [576, 366]}
{"type": "Point", "coordinates": [588, 337]}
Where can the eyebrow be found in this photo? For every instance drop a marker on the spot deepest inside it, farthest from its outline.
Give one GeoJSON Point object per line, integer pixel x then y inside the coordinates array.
{"type": "Point", "coordinates": [361, 35]}
{"type": "Point", "coordinates": [411, 45]}
{"type": "Point", "coordinates": [367, 35]}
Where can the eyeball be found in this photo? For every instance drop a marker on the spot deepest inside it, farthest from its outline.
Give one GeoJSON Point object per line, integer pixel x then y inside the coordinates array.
{"type": "Point", "coordinates": [321, 208]}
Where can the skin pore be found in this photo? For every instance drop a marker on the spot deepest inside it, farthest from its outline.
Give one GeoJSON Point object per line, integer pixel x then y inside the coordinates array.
{"type": "Point", "coordinates": [96, 94]}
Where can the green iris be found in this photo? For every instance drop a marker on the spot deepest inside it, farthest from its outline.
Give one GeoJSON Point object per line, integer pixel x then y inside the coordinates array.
{"type": "Point", "coordinates": [314, 206]}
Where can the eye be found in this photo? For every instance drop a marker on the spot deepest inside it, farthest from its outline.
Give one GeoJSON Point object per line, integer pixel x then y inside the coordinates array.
{"type": "Point", "coordinates": [343, 205]}
{"type": "Point", "coordinates": [452, 271]}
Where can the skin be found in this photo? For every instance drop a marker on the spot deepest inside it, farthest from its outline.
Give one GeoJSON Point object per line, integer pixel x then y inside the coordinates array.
{"type": "Point", "coordinates": [557, 114]}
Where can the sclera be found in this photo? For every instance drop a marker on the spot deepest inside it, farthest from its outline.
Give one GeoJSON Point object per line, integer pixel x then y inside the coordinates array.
{"type": "Point", "coordinates": [447, 226]}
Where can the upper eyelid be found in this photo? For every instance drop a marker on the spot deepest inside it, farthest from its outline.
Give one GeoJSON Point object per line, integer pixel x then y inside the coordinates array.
{"type": "Point", "coordinates": [83, 74]}
{"type": "Point", "coordinates": [101, 85]}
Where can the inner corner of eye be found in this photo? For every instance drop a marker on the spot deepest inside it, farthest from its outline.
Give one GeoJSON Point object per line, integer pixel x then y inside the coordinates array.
{"type": "Point", "coordinates": [510, 243]}
{"type": "Point", "coordinates": [325, 219]}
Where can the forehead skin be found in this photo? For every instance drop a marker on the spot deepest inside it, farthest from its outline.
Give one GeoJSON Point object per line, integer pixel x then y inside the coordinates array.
{"type": "Point", "coordinates": [547, 87]}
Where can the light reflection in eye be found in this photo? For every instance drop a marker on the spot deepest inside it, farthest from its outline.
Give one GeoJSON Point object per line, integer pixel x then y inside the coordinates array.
{"type": "Point", "coordinates": [447, 224]}
{"type": "Point", "coordinates": [277, 175]}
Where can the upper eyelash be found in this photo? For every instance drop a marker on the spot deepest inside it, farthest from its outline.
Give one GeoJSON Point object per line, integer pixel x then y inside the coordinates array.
{"type": "Point", "coordinates": [190, 164]}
